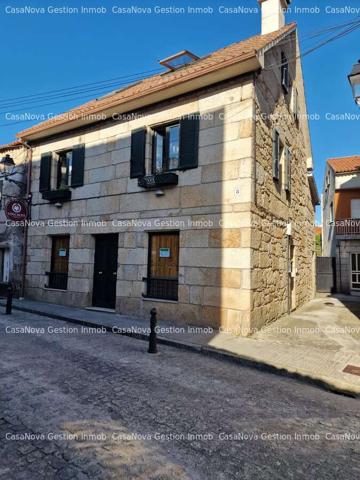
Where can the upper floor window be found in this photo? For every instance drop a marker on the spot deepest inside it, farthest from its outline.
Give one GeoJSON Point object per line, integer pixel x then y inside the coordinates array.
{"type": "Point", "coordinates": [61, 170]}
{"type": "Point", "coordinates": [295, 104]}
{"type": "Point", "coordinates": [278, 149]}
{"type": "Point", "coordinates": [332, 217]}
{"type": "Point", "coordinates": [285, 73]}
{"type": "Point", "coordinates": [166, 148]}
{"type": "Point", "coordinates": [287, 169]}
{"type": "Point", "coordinates": [355, 207]}
{"type": "Point", "coordinates": [64, 169]}
{"type": "Point", "coordinates": [174, 147]}
{"type": "Point", "coordinates": [282, 160]}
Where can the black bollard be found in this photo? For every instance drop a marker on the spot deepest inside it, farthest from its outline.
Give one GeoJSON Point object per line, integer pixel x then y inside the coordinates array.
{"type": "Point", "coordinates": [9, 301]}
{"type": "Point", "coordinates": [152, 336]}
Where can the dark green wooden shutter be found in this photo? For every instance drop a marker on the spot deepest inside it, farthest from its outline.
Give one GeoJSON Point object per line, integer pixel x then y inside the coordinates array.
{"type": "Point", "coordinates": [137, 160]}
{"type": "Point", "coordinates": [45, 172]}
{"type": "Point", "coordinates": [189, 142]}
{"type": "Point", "coordinates": [276, 154]}
{"type": "Point", "coordinates": [288, 169]}
{"type": "Point", "coordinates": [78, 160]}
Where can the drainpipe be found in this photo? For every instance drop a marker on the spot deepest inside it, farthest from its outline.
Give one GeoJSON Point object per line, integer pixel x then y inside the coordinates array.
{"type": "Point", "coordinates": [340, 280]}
{"type": "Point", "coordinates": [28, 198]}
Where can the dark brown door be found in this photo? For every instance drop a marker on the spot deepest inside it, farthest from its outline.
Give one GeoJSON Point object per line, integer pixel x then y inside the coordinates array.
{"type": "Point", "coordinates": [105, 269]}
{"type": "Point", "coordinates": [163, 265]}
{"type": "Point", "coordinates": [58, 275]}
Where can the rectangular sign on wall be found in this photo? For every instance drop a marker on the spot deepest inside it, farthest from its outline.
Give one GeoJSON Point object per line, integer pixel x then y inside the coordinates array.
{"type": "Point", "coordinates": [164, 252]}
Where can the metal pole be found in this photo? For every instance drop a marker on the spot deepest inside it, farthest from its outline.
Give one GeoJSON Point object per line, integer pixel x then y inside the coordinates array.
{"type": "Point", "coordinates": [9, 301]}
{"type": "Point", "coordinates": [152, 336]}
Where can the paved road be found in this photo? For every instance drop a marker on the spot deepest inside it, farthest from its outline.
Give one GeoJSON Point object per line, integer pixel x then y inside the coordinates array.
{"type": "Point", "coordinates": [97, 406]}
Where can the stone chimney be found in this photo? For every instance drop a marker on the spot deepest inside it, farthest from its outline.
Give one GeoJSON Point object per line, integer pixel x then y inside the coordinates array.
{"type": "Point", "coordinates": [273, 14]}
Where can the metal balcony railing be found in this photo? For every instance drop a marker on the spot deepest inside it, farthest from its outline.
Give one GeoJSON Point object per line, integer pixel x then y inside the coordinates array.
{"type": "Point", "coordinates": [162, 288]}
{"type": "Point", "coordinates": [347, 226]}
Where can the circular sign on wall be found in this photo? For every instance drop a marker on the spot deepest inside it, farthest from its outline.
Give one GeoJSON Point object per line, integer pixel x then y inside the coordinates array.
{"type": "Point", "coordinates": [16, 210]}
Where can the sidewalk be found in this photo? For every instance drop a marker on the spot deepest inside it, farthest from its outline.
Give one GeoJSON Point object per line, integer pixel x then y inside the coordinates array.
{"type": "Point", "coordinates": [315, 343]}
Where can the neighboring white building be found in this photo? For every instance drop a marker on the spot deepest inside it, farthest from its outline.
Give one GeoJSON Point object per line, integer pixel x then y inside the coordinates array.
{"type": "Point", "coordinates": [341, 220]}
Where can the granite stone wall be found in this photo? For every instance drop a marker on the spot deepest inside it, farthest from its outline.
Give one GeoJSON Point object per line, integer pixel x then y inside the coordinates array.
{"type": "Point", "coordinates": [210, 207]}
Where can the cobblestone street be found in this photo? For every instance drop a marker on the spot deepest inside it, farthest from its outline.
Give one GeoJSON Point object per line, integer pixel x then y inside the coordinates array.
{"type": "Point", "coordinates": [97, 406]}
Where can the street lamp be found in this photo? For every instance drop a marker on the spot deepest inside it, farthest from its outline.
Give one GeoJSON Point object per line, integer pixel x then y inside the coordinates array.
{"type": "Point", "coordinates": [9, 169]}
{"type": "Point", "coordinates": [7, 162]}
{"type": "Point", "coordinates": [354, 79]}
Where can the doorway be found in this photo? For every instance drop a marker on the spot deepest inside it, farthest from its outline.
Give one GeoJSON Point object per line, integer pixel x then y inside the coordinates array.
{"type": "Point", "coordinates": [105, 271]}
{"type": "Point", "coordinates": [58, 275]}
{"type": "Point", "coordinates": [163, 265]}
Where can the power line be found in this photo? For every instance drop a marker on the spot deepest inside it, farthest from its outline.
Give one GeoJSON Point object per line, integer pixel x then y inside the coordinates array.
{"type": "Point", "coordinates": [115, 79]}
{"type": "Point", "coordinates": [349, 28]}
{"type": "Point", "coordinates": [34, 99]}
{"type": "Point", "coordinates": [102, 90]}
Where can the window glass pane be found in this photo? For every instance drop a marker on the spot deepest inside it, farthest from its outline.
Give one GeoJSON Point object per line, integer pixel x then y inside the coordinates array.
{"type": "Point", "coordinates": [353, 262]}
{"type": "Point", "coordinates": [355, 208]}
{"type": "Point", "coordinates": [69, 166]}
{"type": "Point", "coordinates": [62, 179]}
{"type": "Point", "coordinates": [173, 136]}
{"type": "Point", "coordinates": [64, 169]}
{"type": "Point", "coordinates": [159, 145]}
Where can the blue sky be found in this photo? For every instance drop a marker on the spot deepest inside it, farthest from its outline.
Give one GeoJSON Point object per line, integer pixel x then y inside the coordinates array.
{"type": "Point", "coordinates": [47, 51]}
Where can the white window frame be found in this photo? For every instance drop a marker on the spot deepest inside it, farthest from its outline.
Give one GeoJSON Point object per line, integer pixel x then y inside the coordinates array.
{"type": "Point", "coordinates": [355, 272]}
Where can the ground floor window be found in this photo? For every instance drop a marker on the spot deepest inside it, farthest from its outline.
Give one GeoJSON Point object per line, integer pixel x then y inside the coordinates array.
{"type": "Point", "coordinates": [58, 275]}
{"type": "Point", "coordinates": [355, 271]}
{"type": "Point", "coordinates": [163, 266]}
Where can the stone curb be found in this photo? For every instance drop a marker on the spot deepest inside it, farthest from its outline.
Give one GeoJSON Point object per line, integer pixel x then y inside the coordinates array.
{"type": "Point", "coordinates": [209, 351]}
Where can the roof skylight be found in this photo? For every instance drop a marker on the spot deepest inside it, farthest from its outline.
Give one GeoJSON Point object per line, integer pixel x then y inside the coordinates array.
{"type": "Point", "coordinates": [179, 60]}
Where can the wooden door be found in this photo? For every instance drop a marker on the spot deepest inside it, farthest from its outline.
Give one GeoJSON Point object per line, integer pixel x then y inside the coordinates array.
{"type": "Point", "coordinates": [105, 271]}
{"type": "Point", "coordinates": [163, 269]}
{"type": "Point", "coordinates": [59, 262]}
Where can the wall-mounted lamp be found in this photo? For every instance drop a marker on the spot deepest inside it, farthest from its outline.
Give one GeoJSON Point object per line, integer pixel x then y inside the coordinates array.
{"type": "Point", "coordinates": [7, 162]}
{"type": "Point", "coordinates": [354, 79]}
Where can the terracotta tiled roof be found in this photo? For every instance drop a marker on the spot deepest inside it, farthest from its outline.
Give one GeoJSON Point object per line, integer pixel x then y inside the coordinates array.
{"type": "Point", "coordinates": [10, 146]}
{"type": "Point", "coordinates": [224, 57]}
{"type": "Point", "coordinates": [345, 164]}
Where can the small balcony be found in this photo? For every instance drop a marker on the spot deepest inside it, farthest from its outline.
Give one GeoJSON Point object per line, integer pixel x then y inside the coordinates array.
{"type": "Point", "coordinates": [348, 227]}
{"type": "Point", "coordinates": [162, 288]}
{"type": "Point", "coordinates": [158, 180]}
{"type": "Point", "coordinates": [60, 195]}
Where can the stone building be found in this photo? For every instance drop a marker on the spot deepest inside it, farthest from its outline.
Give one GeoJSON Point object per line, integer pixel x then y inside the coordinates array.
{"type": "Point", "coordinates": [12, 186]}
{"type": "Point", "coordinates": [191, 191]}
{"type": "Point", "coordinates": [341, 221]}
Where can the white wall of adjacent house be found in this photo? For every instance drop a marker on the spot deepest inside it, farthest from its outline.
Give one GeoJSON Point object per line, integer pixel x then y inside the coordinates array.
{"type": "Point", "coordinates": [351, 180]}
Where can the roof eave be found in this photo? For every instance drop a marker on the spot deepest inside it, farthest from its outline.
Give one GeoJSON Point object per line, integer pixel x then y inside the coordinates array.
{"type": "Point", "coordinates": [268, 46]}
{"type": "Point", "coordinates": [226, 72]}
{"type": "Point", "coordinates": [11, 146]}
{"type": "Point", "coordinates": [313, 189]}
